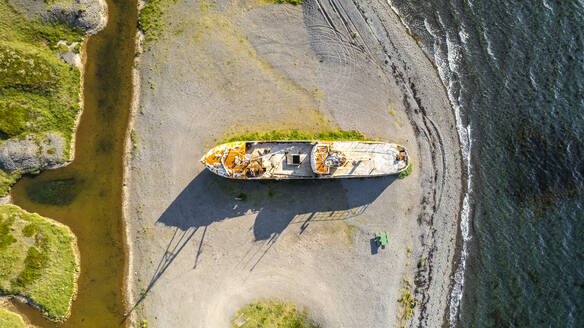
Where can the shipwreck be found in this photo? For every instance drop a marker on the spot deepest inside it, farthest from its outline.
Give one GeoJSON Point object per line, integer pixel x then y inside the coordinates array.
{"type": "Point", "coordinates": [281, 160]}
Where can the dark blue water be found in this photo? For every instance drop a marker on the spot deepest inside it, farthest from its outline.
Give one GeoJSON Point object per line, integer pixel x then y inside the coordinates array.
{"type": "Point", "coordinates": [515, 74]}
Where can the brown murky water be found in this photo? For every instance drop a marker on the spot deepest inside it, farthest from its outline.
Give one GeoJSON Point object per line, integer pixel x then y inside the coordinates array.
{"type": "Point", "coordinates": [89, 189]}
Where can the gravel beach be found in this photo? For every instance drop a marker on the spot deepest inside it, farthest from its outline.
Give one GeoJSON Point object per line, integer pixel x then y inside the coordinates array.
{"type": "Point", "coordinates": [199, 251]}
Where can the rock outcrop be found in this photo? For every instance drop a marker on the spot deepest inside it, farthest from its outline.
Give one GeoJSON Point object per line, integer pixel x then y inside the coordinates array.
{"type": "Point", "coordinates": [29, 154]}
{"type": "Point", "coordinates": [88, 15]}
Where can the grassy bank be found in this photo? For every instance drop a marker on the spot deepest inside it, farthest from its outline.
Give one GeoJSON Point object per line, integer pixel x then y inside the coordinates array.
{"type": "Point", "coordinates": [10, 320]}
{"type": "Point", "coordinates": [297, 135]}
{"type": "Point", "coordinates": [37, 260]}
{"type": "Point", "coordinates": [272, 314]}
{"type": "Point", "coordinates": [39, 92]}
{"type": "Point", "coordinates": [151, 18]}
{"type": "Point", "coordinates": [6, 181]}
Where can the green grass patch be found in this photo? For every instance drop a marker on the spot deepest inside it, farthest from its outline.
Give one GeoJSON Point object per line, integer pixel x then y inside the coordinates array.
{"type": "Point", "coordinates": [292, 2]}
{"type": "Point", "coordinates": [268, 314]}
{"type": "Point", "coordinates": [37, 260]}
{"type": "Point", "coordinates": [403, 174]}
{"type": "Point", "coordinates": [151, 19]}
{"type": "Point", "coordinates": [39, 92]}
{"type": "Point", "coordinates": [10, 319]}
{"type": "Point", "coordinates": [6, 238]}
{"type": "Point", "coordinates": [7, 180]}
{"type": "Point", "coordinates": [16, 27]}
{"type": "Point", "coordinates": [298, 135]}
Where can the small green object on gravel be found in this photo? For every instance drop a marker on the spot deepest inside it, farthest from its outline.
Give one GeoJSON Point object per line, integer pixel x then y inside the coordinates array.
{"type": "Point", "coordinates": [382, 239]}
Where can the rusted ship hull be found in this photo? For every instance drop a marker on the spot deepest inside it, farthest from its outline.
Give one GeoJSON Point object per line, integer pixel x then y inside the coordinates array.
{"type": "Point", "coordinates": [281, 160]}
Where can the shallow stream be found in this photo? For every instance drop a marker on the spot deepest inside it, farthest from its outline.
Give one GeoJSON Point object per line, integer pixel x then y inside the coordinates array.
{"type": "Point", "coordinates": [87, 194]}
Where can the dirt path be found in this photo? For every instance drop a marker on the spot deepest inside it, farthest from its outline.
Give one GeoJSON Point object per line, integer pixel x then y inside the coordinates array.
{"type": "Point", "coordinates": [199, 253]}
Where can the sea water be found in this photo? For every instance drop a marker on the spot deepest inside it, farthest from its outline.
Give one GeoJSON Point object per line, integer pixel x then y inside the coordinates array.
{"type": "Point", "coordinates": [514, 71]}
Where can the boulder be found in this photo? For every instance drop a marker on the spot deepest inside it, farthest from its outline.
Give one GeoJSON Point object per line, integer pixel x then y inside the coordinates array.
{"type": "Point", "coordinates": [28, 153]}
{"type": "Point", "coordinates": [88, 15]}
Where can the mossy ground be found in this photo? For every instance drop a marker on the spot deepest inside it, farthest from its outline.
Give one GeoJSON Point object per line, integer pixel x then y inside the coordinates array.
{"type": "Point", "coordinates": [269, 314]}
{"type": "Point", "coordinates": [39, 92]}
{"type": "Point", "coordinates": [403, 174]}
{"type": "Point", "coordinates": [6, 181]}
{"type": "Point", "coordinates": [292, 2]}
{"type": "Point", "coordinates": [10, 320]}
{"type": "Point", "coordinates": [298, 135]}
{"type": "Point", "coordinates": [37, 260]}
{"type": "Point", "coordinates": [151, 20]}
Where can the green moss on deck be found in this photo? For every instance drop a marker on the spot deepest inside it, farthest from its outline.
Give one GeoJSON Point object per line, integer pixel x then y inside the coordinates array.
{"type": "Point", "coordinates": [10, 320]}
{"type": "Point", "coordinates": [37, 260]}
{"type": "Point", "coordinates": [272, 314]}
{"type": "Point", "coordinates": [39, 92]}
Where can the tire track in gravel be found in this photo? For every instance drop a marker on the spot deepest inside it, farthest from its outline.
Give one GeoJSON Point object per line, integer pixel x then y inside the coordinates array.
{"type": "Point", "coordinates": [396, 68]}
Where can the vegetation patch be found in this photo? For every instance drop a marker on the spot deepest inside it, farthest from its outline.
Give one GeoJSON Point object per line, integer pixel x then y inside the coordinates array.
{"type": "Point", "coordinates": [6, 181]}
{"type": "Point", "coordinates": [10, 319]}
{"type": "Point", "coordinates": [39, 92]}
{"type": "Point", "coordinates": [272, 314]}
{"type": "Point", "coordinates": [344, 231]}
{"type": "Point", "coordinates": [403, 174]}
{"type": "Point", "coordinates": [55, 192]}
{"type": "Point", "coordinates": [407, 305]}
{"type": "Point", "coordinates": [292, 2]}
{"type": "Point", "coordinates": [37, 260]}
{"type": "Point", "coordinates": [134, 139]}
{"type": "Point", "coordinates": [298, 135]}
{"type": "Point", "coordinates": [151, 19]}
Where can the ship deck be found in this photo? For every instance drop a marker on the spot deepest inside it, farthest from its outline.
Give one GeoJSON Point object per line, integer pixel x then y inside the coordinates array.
{"type": "Point", "coordinates": [275, 161]}
{"type": "Point", "coordinates": [363, 159]}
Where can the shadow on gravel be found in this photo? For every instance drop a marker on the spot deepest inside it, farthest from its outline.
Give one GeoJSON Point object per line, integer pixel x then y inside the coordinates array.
{"type": "Point", "coordinates": [374, 246]}
{"type": "Point", "coordinates": [278, 204]}
{"type": "Point", "coordinates": [209, 198]}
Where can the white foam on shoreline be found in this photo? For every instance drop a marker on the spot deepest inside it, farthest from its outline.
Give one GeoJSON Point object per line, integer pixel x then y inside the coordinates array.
{"type": "Point", "coordinates": [447, 68]}
{"type": "Point", "coordinates": [448, 65]}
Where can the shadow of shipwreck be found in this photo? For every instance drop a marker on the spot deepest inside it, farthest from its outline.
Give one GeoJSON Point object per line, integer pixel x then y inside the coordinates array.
{"type": "Point", "coordinates": [276, 204]}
